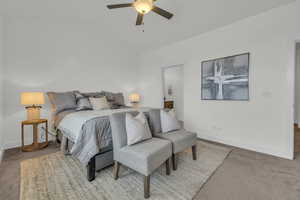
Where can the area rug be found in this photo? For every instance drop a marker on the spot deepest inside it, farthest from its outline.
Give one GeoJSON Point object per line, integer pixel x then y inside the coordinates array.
{"type": "Point", "coordinates": [59, 177]}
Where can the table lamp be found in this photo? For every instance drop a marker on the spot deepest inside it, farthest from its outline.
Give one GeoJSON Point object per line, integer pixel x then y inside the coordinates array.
{"type": "Point", "coordinates": [134, 99]}
{"type": "Point", "coordinates": [32, 101]}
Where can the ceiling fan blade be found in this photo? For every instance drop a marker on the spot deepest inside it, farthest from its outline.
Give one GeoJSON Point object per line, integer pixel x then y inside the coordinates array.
{"type": "Point", "coordinates": [124, 5]}
{"type": "Point", "coordinates": [139, 19]}
{"type": "Point", "coordinates": [162, 12]}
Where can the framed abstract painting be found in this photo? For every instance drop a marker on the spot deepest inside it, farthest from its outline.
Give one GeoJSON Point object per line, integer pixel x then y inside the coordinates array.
{"type": "Point", "coordinates": [226, 78]}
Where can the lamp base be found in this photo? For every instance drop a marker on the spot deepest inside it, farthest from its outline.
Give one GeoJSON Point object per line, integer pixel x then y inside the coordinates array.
{"type": "Point", "coordinates": [33, 112]}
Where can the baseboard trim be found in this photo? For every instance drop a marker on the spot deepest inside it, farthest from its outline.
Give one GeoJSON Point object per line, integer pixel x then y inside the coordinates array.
{"type": "Point", "coordinates": [11, 145]}
{"type": "Point", "coordinates": [200, 136]}
{"type": "Point", "coordinates": [15, 144]}
{"type": "Point", "coordinates": [1, 155]}
{"type": "Point", "coordinates": [250, 147]}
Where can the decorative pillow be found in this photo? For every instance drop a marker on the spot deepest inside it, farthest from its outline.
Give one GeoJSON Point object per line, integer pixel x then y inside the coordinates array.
{"type": "Point", "coordinates": [119, 99]}
{"type": "Point", "coordinates": [115, 99]}
{"type": "Point", "coordinates": [93, 94]}
{"type": "Point", "coordinates": [83, 102]}
{"type": "Point", "coordinates": [137, 128]}
{"type": "Point", "coordinates": [109, 96]}
{"type": "Point", "coordinates": [168, 121]}
{"type": "Point", "coordinates": [61, 101]}
{"type": "Point", "coordinates": [99, 103]}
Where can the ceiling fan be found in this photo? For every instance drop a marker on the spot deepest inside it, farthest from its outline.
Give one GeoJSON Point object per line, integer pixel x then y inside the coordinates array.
{"type": "Point", "coordinates": [143, 7]}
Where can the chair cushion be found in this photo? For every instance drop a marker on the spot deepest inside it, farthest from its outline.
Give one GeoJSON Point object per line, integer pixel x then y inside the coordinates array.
{"type": "Point", "coordinates": [181, 139]}
{"type": "Point", "coordinates": [146, 156]}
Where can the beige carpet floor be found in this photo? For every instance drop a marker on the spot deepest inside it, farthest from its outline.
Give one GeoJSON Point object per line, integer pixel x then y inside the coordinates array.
{"type": "Point", "coordinates": [10, 170]}
{"type": "Point", "coordinates": [58, 177]}
{"type": "Point", "coordinates": [247, 175]}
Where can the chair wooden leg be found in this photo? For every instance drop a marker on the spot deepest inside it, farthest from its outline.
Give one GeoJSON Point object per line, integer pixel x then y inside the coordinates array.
{"type": "Point", "coordinates": [174, 161]}
{"type": "Point", "coordinates": [116, 170]}
{"type": "Point", "coordinates": [147, 186]}
{"type": "Point", "coordinates": [194, 150]}
{"type": "Point", "coordinates": [168, 171]}
{"type": "Point", "coordinates": [91, 169]}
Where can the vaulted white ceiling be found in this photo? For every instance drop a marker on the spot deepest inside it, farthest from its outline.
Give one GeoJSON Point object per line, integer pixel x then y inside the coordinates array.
{"type": "Point", "coordinates": [191, 17]}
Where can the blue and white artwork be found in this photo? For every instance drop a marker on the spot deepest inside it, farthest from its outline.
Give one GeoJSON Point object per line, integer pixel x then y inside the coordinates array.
{"type": "Point", "coordinates": [226, 78]}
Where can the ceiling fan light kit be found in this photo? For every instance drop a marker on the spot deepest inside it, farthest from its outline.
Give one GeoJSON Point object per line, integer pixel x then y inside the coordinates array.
{"type": "Point", "coordinates": [143, 7]}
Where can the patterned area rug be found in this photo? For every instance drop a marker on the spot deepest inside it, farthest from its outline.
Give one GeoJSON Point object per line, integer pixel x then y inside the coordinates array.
{"type": "Point", "coordinates": [59, 177]}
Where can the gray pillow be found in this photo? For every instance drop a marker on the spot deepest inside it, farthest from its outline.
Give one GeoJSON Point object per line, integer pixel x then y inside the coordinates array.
{"type": "Point", "coordinates": [61, 101]}
{"type": "Point", "coordinates": [93, 94]}
{"type": "Point", "coordinates": [109, 96]}
{"type": "Point", "coordinates": [119, 99]}
{"type": "Point", "coordinates": [115, 99]}
{"type": "Point", "coordinates": [83, 102]}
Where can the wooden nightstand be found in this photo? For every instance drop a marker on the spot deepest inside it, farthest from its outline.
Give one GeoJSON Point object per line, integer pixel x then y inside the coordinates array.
{"type": "Point", "coordinates": [35, 145]}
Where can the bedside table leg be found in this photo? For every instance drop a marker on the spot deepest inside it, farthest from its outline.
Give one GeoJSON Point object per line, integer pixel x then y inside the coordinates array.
{"type": "Point", "coordinates": [22, 128]}
{"type": "Point", "coordinates": [46, 132]}
{"type": "Point", "coordinates": [35, 137]}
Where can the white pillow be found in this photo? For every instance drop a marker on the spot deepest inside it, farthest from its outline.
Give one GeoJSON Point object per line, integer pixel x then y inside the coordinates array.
{"type": "Point", "coordinates": [137, 128]}
{"type": "Point", "coordinates": [169, 121]}
{"type": "Point", "coordinates": [99, 103]}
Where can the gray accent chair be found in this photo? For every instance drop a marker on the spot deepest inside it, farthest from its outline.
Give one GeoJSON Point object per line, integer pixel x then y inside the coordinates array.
{"type": "Point", "coordinates": [181, 139]}
{"type": "Point", "coordinates": [144, 157]}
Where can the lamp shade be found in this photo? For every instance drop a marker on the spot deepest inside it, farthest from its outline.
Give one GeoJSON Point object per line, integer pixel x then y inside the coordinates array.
{"type": "Point", "coordinates": [134, 98]}
{"type": "Point", "coordinates": [32, 98]}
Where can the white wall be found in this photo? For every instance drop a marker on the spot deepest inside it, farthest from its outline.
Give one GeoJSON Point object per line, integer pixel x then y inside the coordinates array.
{"type": "Point", "coordinates": [41, 55]}
{"type": "Point", "coordinates": [297, 86]}
{"type": "Point", "coordinates": [173, 77]}
{"type": "Point", "coordinates": [263, 124]}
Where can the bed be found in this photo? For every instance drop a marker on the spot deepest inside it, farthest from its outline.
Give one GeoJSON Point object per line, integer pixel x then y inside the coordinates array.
{"type": "Point", "coordinates": [85, 133]}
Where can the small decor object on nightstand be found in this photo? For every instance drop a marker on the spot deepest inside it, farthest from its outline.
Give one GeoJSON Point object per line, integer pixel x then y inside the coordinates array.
{"type": "Point", "coordinates": [35, 145]}
{"type": "Point", "coordinates": [134, 99]}
{"type": "Point", "coordinates": [32, 100]}
{"type": "Point", "coordinates": [169, 104]}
